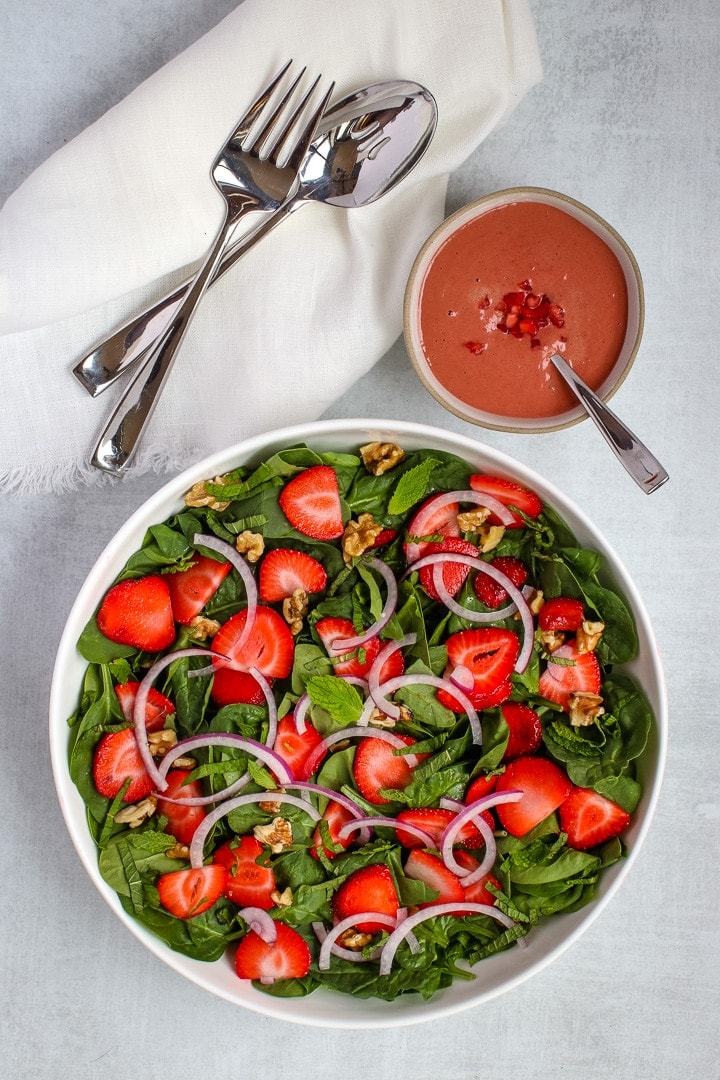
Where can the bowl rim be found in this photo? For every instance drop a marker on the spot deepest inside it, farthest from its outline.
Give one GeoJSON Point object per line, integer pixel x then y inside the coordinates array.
{"type": "Point", "coordinates": [336, 1010]}
{"type": "Point", "coordinates": [461, 217]}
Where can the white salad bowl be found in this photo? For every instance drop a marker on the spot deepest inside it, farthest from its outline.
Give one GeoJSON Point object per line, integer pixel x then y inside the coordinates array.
{"type": "Point", "coordinates": [496, 974]}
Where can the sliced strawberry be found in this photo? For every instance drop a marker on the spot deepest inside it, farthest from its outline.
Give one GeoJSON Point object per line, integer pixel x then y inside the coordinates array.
{"type": "Point", "coordinates": [269, 646]}
{"type": "Point", "coordinates": [478, 892]}
{"type": "Point", "coordinates": [579, 672]}
{"type": "Point", "coordinates": [371, 888]}
{"type": "Point", "coordinates": [482, 785]}
{"type": "Point", "coordinates": [332, 629]}
{"type": "Point", "coordinates": [287, 958]}
{"type": "Point", "coordinates": [434, 820]}
{"type": "Point", "coordinates": [428, 868]}
{"type": "Point", "coordinates": [589, 818]}
{"type": "Point", "coordinates": [187, 893]}
{"type": "Point", "coordinates": [157, 710]}
{"type": "Point", "coordinates": [138, 612]}
{"type": "Point", "coordinates": [490, 654]}
{"type": "Point", "coordinates": [561, 613]}
{"type": "Point", "coordinates": [236, 688]}
{"type": "Point", "coordinates": [283, 570]}
{"type": "Point", "coordinates": [116, 759]}
{"type": "Point", "coordinates": [510, 494]}
{"type": "Point", "coordinates": [453, 574]}
{"type": "Point", "coordinates": [376, 766]}
{"type": "Point", "coordinates": [311, 503]}
{"type": "Point", "coordinates": [336, 815]}
{"type": "Point", "coordinates": [295, 747]}
{"type": "Point", "coordinates": [490, 592]}
{"type": "Point", "coordinates": [431, 519]}
{"type": "Point", "coordinates": [383, 538]}
{"type": "Point", "coordinates": [248, 883]}
{"type": "Point", "coordinates": [182, 820]}
{"type": "Point", "coordinates": [525, 729]}
{"type": "Point", "coordinates": [191, 589]}
{"type": "Point", "coordinates": [544, 786]}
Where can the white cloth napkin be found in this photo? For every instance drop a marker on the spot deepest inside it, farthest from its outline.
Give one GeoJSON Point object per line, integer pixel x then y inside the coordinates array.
{"type": "Point", "coordinates": [301, 317]}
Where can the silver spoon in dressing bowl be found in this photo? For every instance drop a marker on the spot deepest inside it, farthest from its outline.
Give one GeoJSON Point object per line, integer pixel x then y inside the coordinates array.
{"type": "Point", "coordinates": [366, 144]}
{"type": "Point", "coordinates": [644, 467]}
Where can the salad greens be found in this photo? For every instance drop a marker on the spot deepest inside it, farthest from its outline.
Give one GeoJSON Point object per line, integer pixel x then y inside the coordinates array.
{"type": "Point", "coordinates": [535, 876]}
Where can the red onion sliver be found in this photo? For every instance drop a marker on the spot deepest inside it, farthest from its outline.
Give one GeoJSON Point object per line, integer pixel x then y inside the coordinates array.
{"type": "Point", "coordinates": [300, 712]}
{"type": "Point", "coordinates": [473, 812]}
{"type": "Point", "coordinates": [346, 924]}
{"type": "Point", "coordinates": [344, 645]}
{"type": "Point", "coordinates": [442, 684]}
{"type": "Point", "coordinates": [462, 907]}
{"type": "Point", "coordinates": [321, 932]}
{"type": "Point", "coordinates": [228, 552]}
{"type": "Point", "coordinates": [506, 517]}
{"type": "Point", "coordinates": [217, 797]}
{"type": "Point", "coordinates": [250, 746]}
{"type": "Point", "coordinates": [270, 701]}
{"type": "Point", "coordinates": [374, 674]}
{"type": "Point", "coordinates": [200, 835]}
{"type": "Point", "coordinates": [307, 787]}
{"type": "Point", "coordinates": [387, 822]}
{"type": "Point", "coordinates": [357, 732]}
{"type": "Point", "coordinates": [462, 677]}
{"type": "Point", "coordinates": [259, 921]}
{"type": "Point", "coordinates": [512, 590]}
{"type": "Point", "coordinates": [157, 775]}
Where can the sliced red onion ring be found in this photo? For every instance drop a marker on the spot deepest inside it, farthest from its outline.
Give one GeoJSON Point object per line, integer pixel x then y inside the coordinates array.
{"type": "Point", "coordinates": [270, 701]}
{"type": "Point", "coordinates": [344, 645]}
{"type": "Point", "coordinates": [200, 835]}
{"type": "Point", "coordinates": [473, 812]}
{"type": "Point", "coordinates": [387, 822]}
{"type": "Point", "coordinates": [512, 590]}
{"type": "Point", "coordinates": [250, 746]}
{"type": "Point", "coordinates": [462, 677]}
{"type": "Point", "coordinates": [412, 549]}
{"type": "Point", "coordinates": [300, 712]}
{"type": "Point", "coordinates": [228, 552]}
{"type": "Point", "coordinates": [440, 682]}
{"type": "Point", "coordinates": [321, 933]}
{"type": "Point", "coordinates": [357, 732]}
{"type": "Point", "coordinates": [462, 907]}
{"type": "Point", "coordinates": [156, 775]}
{"type": "Point", "coordinates": [328, 945]}
{"type": "Point", "coordinates": [374, 674]}
{"type": "Point", "coordinates": [263, 924]}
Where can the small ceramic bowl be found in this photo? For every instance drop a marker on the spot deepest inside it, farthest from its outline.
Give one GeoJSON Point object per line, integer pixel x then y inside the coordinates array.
{"type": "Point", "coordinates": [474, 291]}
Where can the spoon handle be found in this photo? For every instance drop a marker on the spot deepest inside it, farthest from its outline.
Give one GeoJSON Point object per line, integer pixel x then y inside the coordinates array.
{"type": "Point", "coordinates": [644, 467]}
{"type": "Point", "coordinates": [129, 343]}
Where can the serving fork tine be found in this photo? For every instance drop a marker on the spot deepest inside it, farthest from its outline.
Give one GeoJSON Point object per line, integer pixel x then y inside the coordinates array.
{"type": "Point", "coordinates": [254, 170]}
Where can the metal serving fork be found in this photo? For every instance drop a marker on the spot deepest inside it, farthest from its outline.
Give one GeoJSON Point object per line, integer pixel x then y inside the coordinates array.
{"type": "Point", "coordinates": [253, 171]}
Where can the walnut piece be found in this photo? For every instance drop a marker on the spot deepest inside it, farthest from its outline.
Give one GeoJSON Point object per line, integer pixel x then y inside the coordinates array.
{"type": "Point", "coordinates": [552, 640]}
{"type": "Point", "coordinates": [584, 708]}
{"type": "Point", "coordinates": [198, 495]}
{"type": "Point", "coordinates": [203, 628]}
{"type": "Point", "coordinates": [354, 939]}
{"type": "Point", "coordinates": [277, 835]}
{"type": "Point", "coordinates": [535, 601]}
{"type": "Point", "coordinates": [473, 520]}
{"type": "Point", "coordinates": [380, 457]}
{"type": "Point", "coordinates": [359, 536]}
{"type": "Point", "coordinates": [178, 851]}
{"type": "Point", "coordinates": [282, 899]}
{"type": "Point", "coordinates": [588, 636]}
{"type": "Point", "coordinates": [136, 813]}
{"type": "Point", "coordinates": [270, 805]}
{"type": "Point", "coordinates": [489, 536]}
{"type": "Point", "coordinates": [380, 719]}
{"type": "Point", "coordinates": [161, 741]}
{"type": "Point", "coordinates": [294, 609]}
{"type": "Point", "coordinates": [250, 544]}
{"type": "Point", "coordinates": [183, 762]}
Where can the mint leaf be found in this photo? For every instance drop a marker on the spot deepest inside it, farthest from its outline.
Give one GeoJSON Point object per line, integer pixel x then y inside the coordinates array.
{"type": "Point", "coordinates": [412, 486]}
{"type": "Point", "coordinates": [337, 697]}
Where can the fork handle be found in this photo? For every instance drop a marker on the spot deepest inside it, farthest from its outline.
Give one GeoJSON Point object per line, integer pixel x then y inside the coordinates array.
{"type": "Point", "coordinates": [128, 344]}
{"type": "Point", "coordinates": [124, 430]}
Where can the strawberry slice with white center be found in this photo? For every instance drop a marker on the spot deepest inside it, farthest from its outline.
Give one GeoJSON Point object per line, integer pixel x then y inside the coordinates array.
{"type": "Point", "coordinates": [117, 759]}
{"type": "Point", "coordinates": [249, 883]}
{"type": "Point", "coordinates": [377, 766]}
{"type": "Point", "coordinates": [138, 612]}
{"type": "Point", "coordinates": [590, 818]}
{"type": "Point", "coordinates": [296, 747]}
{"type": "Point", "coordinates": [489, 653]}
{"type": "Point", "coordinates": [283, 570]}
{"type": "Point", "coordinates": [336, 815]}
{"type": "Point", "coordinates": [359, 661]}
{"type": "Point", "coordinates": [431, 870]}
{"type": "Point", "coordinates": [311, 503]}
{"type": "Point", "coordinates": [190, 589]}
{"type": "Point", "coordinates": [371, 888]}
{"type": "Point", "coordinates": [187, 893]}
{"type": "Point", "coordinates": [157, 710]}
{"type": "Point", "coordinates": [435, 517]}
{"type": "Point", "coordinates": [453, 574]}
{"type": "Point", "coordinates": [182, 820]}
{"type": "Point", "coordinates": [287, 958]}
{"type": "Point", "coordinates": [544, 786]}
{"type": "Point", "coordinates": [510, 494]}
{"type": "Point", "coordinates": [269, 647]}
{"type": "Point", "coordinates": [434, 820]}
{"type": "Point", "coordinates": [578, 673]}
